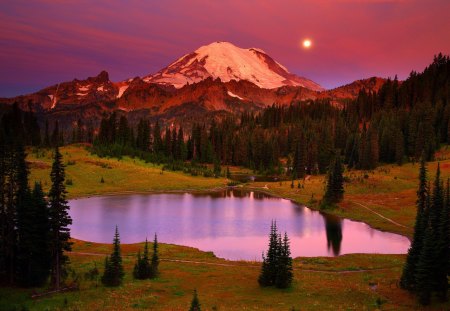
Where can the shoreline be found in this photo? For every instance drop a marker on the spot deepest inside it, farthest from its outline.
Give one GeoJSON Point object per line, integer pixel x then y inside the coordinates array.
{"type": "Point", "coordinates": [262, 190]}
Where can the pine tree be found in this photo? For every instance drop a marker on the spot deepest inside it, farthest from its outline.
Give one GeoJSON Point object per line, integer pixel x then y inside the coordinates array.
{"type": "Point", "coordinates": [34, 255]}
{"type": "Point", "coordinates": [276, 268]}
{"type": "Point", "coordinates": [113, 273]}
{"type": "Point", "coordinates": [142, 268]}
{"type": "Point", "coordinates": [42, 238]}
{"type": "Point", "coordinates": [59, 219]}
{"type": "Point", "coordinates": [217, 168]}
{"type": "Point", "coordinates": [408, 280]}
{"type": "Point", "coordinates": [24, 219]}
{"type": "Point", "coordinates": [443, 247]}
{"type": "Point", "coordinates": [195, 303]}
{"type": "Point", "coordinates": [137, 270]}
{"type": "Point", "coordinates": [285, 272]}
{"type": "Point", "coordinates": [425, 267]}
{"type": "Point", "coordinates": [46, 135]}
{"type": "Point", "coordinates": [334, 192]}
{"type": "Point", "coordinates": [154, 265]}
{"type": "Point", "coordinates": [264, 276]}
{"type": "Point", "coordinates": [55, 140]}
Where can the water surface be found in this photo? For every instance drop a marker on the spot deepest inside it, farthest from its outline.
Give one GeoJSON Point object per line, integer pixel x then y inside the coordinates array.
{"type": "Point", "coordinates": [233, 224]}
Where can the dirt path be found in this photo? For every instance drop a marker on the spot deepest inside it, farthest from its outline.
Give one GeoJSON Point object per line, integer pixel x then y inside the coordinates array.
{"type": "Point", "coordinates": [379, 215]}
{"type": "Point", "coordinates": [254, 266]}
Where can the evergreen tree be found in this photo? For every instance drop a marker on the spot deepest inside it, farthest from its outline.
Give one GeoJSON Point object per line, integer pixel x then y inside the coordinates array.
{"type": "Point", "coordinates": [408, 280]}
{"type": "Point", "coordinates": [142, 268]}
{"type": "Point", "coordinates": [42, 238]}
{"type": "Point", "coordinates": [284, 272]}
{"type": "Point", "coordinates": [264, 276]}
{"type": "Point", "coordinates": [217, 168]}
{"type": "Point", "coordinates": [46, 135]}
{"type": "Point", "coordinates": [24, 218]}
{"type": "Point", "coordinates": [113, 273]}
{"type": "Point", "coordinates": [334, 192]}
{"type": "Point", "coordinates": [34, 255]}
{"type": "Point", "coordinates": [195, 303]}
{"type": "Point", "coordinates": [443, 247]}
{"type": "Point", "coordinates": [154, 265]}
{"type": "Point", "coordinates": [59, 219]}
{"type": "Point", "coordinates": [55, 135]}
{"type": "Point", "coordinates": [425, 268]}
{"type": "Point", "coordinates": [157, 141]}
{"type": "Point", "coordinates": [276, 268]}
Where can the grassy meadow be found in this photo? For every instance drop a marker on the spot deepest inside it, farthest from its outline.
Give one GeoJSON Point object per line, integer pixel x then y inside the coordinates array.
{"type": "Point", "coordinates": [348, 282]}
{"type": "Point", "coordinates": [85, 171]}
{"type": "Point", "coordinates": [389, 190]}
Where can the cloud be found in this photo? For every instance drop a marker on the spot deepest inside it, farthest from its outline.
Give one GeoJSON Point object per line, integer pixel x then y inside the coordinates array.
{"type": "Point", "coordinates": [44, 42]}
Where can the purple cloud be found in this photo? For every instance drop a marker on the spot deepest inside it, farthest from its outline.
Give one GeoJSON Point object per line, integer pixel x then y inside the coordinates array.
{"type": "Point", "coordinates": [45, 42]}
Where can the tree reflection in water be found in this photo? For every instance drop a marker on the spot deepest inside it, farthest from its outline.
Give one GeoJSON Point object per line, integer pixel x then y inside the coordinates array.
{"type": "Point", "coordinates": [333, 227]}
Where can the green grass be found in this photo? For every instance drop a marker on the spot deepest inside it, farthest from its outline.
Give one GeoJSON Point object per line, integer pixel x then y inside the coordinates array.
{"type": "Point", "coordinates": [120, 176]}
{"type": "Point", "coordinates": [338, 284]}
{"type": "Point", "coordinates": [321, 283]}
{"type": "Point", "coordinates": [390, 190]}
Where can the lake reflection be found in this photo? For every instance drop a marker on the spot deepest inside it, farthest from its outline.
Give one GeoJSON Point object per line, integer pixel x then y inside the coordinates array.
{"type": "Point", "coordinates": [233, 224]}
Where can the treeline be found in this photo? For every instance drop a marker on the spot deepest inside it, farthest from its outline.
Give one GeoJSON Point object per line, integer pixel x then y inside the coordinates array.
{"type": "Point", "coordinates": [34, 231]}
{"type": "Point", "coordinates": [399, 123]}
{"type": "Point", "coordinates": [394, 125]}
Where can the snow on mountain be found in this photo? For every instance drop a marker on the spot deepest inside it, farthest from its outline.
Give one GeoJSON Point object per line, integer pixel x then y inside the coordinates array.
{"type": "Point", "coordinates": [234, 95]}
{"type": "Point", "coordinates": [228, 62]}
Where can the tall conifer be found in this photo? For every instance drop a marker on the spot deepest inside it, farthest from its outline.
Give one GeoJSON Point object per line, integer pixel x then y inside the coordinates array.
{"type": "Point", "coordinates": [59, 219]}
{"type": "Point", "coordinates": [408, 280]}
{"type": "Point", "coordinates": [113, 273]}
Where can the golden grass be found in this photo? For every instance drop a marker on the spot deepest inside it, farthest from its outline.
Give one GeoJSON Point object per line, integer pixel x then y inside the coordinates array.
{"type": "Point", "coordinates": [390, 190]}
{"type": "Point", "coordinates": [337, 285]}
{"type": "Point", "coordinates": [120, 176]}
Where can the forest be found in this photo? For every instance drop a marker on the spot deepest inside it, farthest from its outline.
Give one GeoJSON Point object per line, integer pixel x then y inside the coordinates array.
{"type": "Point", "coordinates": [401, 122]}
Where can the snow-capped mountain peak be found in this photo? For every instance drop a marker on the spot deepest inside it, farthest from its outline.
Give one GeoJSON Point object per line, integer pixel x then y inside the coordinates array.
{"type": "Point", "coordinates": [227, 62]}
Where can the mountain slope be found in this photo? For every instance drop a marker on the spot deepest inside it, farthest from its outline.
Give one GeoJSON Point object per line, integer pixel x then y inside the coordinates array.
{"type": "Point", "coordinates": [216, 79]}
{"type": "Point", "coordinates": [228, 62]}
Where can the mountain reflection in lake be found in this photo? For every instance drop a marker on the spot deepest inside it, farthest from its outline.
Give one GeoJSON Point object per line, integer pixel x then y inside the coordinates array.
{"type": "Point", "coordinates": [233, 224]}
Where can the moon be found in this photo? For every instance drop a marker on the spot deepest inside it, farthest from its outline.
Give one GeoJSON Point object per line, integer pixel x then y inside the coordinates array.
{"type": "Point", "coordinates": [307, 43]}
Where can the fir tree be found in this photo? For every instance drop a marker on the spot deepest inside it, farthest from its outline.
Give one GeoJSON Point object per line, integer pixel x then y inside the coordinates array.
{"type": "Point", "coordinates": [217, 169]}
{"type": "Point", "coordinates": [24, 219]}
{"type": "Point", "coordinates": [34, 255]}
{"type": "Point", "coordinates": [46, 135]}
{"type": "Point", "coordinates": [137, 270]}
{"type": "Point", "coordinates": [443, 247]}
{"type": "Point", "coordinates": [276, 268]}
{"type": "Point", "coordinates": [195, 303]}
{"type": "Point", "coordinates": [425, 268]}
{"type": "Point", "coordinates": [264, 276]}
{"type": "Point", "coordinates": [408, 280]}
{"type": "Point", "coordinates": [142, 268]}
{"type": "Point", "coordinates": [59, 220]}
{"type": "Point", "coordinates": [334, 192]}
{"type": "Point", "coordinates": [113, 273]}
{"type": "Point", "coordinates": [154, 265]}
{"type": "Point", "coordinates": [42, 238]}
{"type": "Point", "coordinates": [284, 269]}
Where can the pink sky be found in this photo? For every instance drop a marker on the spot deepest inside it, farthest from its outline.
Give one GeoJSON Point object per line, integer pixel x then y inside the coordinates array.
{"type": "Point", "coordinates": [46, 42]}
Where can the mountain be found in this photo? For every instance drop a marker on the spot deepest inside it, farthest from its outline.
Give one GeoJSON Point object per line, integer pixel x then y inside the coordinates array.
{"type": "Point", "coordinates": [228, 62]}
{"type": "Point", "coordinates": [351, 90]}
{"type": "Point", "coordinates": [213, 81]}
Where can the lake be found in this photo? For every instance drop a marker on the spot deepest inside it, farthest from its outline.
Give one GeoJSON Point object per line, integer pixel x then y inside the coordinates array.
{"type": "Point", "coordinates": [233, 224]}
